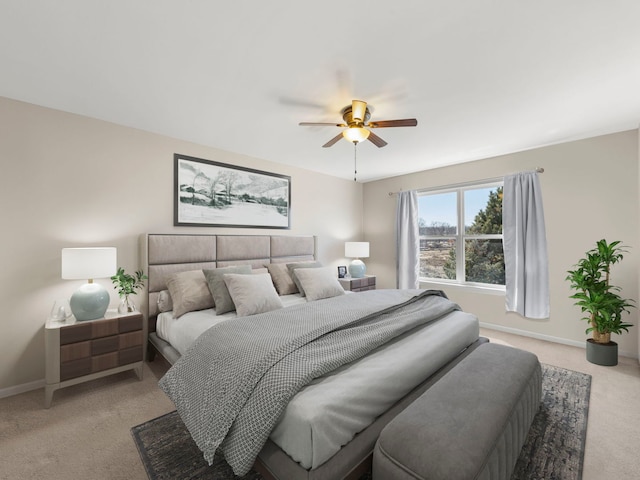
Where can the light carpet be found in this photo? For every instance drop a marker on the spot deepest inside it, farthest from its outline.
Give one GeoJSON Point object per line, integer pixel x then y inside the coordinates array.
{"type": "Point", "coordinates": [554, 449]}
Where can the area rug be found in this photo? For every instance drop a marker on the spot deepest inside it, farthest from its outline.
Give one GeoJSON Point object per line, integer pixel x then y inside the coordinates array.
{"type": "Point", "coordinates": [554, 449]}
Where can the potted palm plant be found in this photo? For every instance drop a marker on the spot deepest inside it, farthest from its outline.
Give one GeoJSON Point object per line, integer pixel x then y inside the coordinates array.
{"type": "Point", "coordinates": [599, 300]}
{"type": "Point", "coordinates": [127, 285]}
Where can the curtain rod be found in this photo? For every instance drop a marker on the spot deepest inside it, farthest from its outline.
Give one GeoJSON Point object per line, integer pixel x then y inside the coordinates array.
{"type": "Point", "coordinates": [487, 180]}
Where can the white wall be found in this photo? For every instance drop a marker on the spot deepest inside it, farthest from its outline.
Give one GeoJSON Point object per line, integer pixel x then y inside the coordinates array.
{"type": "Point", "coordinates": [69, 181]}
{"type": "Point", "coordinates": [590, 190]}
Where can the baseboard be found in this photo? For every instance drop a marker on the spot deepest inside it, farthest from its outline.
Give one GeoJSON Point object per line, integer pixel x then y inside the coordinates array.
{"type": "Point", "coordinates": [548, 338]}
{"type": "Point", "coordinates": [25, 387]}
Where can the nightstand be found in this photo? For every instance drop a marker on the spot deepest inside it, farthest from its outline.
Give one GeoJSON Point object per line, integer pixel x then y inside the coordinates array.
{"type": "Point", "coordinates": [368, 282]}
{"type": "Point", "coordinates": [77, 352]}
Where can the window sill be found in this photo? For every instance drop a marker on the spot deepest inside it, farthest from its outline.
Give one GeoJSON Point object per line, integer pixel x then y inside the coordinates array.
{"type": "Point", "coordinates": [497, 290]}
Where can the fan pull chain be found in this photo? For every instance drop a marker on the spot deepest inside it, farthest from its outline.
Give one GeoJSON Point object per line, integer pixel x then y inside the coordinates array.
{"type": "Point", "coordinates": [355, 161]}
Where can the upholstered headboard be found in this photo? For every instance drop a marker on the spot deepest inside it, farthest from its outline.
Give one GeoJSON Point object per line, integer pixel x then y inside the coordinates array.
{"type": "Point", "coordinates": [170, 253]}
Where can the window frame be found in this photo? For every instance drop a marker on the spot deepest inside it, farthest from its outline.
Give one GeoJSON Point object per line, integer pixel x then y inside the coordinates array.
{"type": "Point", "coordinates": [461, 237]}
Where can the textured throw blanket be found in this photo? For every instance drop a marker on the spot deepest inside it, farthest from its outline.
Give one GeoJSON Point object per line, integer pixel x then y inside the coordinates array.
{"type": "Point", "coordinates": [232, 385]}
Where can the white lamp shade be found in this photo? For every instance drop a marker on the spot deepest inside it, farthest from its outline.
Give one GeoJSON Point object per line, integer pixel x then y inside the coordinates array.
{"type": "Point", "coordinates": [88, 263]}
{"type": "Point", "coordinates": [356, 249]}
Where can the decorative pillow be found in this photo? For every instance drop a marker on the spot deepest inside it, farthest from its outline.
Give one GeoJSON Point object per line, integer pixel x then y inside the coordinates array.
{"type": "Point", "coordinates": [219, 289]}
{"type": "Point", "coordinates": [252, 294]}
{"type": "Point", "coordinates": [294, 266]}
{"type": "Point", "coordinates": [282, 278]}
{"type": "Point", "coordinates": [319, 283]}
{"type": "Point", "coordinates": [189, 292]}
{"type": "Point", "coordinates": [165, 304]}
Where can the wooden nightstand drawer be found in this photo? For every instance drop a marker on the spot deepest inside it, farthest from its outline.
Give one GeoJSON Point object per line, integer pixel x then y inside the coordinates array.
{"type": "Point", "coordinates": [130, 355]}
{"type": "Point", "coordinates": [104, 362]}
{"type": "Point", "coordinates": [129, 324]}
{"type": "Point", "coordinates": [104, 328]}
{"type": "Point", "coordinates": [128, 340]}
{"type": "Point", "coordinates": [75, 333]}
{"type": "Point", "coordinates": [104, 345]}
{"type": "Point", "coordinates": [75, 368]}
{"type": "Point", "coordinates": [359, 284]}
{"type": "Point", "coordinates": [75, 351]}
{"type": "Point", "coordinates": [363, 282]}
{"type": "Point", "coordinates": [97, 329]}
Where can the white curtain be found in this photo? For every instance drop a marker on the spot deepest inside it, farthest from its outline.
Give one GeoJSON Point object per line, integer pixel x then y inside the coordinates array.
{"type": "Point", "coordinates": [525, 246]}
{"type": "Point", "coordinates": [407, 240]}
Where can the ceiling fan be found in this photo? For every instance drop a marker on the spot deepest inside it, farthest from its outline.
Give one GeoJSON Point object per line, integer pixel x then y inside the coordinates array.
{"type": "Point", "coordinates": [356, 117]}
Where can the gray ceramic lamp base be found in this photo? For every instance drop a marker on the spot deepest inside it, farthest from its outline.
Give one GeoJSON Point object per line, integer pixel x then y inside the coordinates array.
{"type": "Point", "coordinates": [357, 268]}
{"type": "Point", "coordinates": [89, 302]}
{"type": "Point", "coordinates": [605, 354]}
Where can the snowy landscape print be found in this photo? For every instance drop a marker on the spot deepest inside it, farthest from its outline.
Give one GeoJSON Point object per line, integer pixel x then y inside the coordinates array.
{"type": "Point", "coordinates": [217, 194]}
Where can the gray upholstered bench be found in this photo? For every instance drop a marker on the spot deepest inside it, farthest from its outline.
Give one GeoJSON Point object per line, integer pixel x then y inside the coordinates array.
{"type": "Point", "coordinates": [469, 425]}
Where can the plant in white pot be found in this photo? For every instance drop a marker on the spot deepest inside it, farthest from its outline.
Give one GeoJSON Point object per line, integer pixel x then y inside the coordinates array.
{"type": "Point", "coordinates": [600, 301]}
{"type": "Point", "coordinates": [127, 285]}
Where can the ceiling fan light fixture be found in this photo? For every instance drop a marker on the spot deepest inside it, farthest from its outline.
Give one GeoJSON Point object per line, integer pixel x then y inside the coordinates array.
{"type": "Point", "coordinates": [356, 117]}
{"type": "Point", "coordinates": [356, 134]}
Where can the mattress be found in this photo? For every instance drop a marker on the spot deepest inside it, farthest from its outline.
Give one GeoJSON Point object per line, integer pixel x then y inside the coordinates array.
{"type": "Point", "coordinates": [327, 413]}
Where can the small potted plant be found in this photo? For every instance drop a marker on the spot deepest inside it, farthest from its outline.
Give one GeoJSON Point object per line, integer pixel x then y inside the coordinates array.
{"type": "Point", "coordinates": [600, 301]}
{"type": "Point", "coordinates": [127, 285]}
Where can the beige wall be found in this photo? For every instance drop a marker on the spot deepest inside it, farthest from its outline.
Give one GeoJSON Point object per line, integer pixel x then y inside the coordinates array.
{"type": "Point", "coordinates": [590, 190]}
{"type": "Point", "coordinates": [68, 181]}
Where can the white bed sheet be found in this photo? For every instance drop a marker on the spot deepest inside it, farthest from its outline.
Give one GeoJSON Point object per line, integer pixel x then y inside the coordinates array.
{"type": "Point", "coordinates": [327, 413]}
{"type": "Point", "coordinates": [181, 332]}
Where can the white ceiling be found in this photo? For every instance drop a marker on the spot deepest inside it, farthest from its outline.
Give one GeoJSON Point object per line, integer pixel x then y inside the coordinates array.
{"type": "Point", "coordinates": [482, 77]}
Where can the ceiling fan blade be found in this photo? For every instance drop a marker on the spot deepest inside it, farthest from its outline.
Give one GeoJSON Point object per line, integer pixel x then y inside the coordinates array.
{"type": "Point", "coordinates": [376, 140]}
{"type": "Point", "coordinates": [321, 124]}
{"type": "Point", "coordinates": [407, 122]}
{"type": "Point", "coordinates": [358, 110]}
{"type": "Point", "coordinates": [332, 141]}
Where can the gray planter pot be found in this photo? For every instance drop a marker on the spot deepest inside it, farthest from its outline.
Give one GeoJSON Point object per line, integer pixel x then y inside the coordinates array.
{"type": "Point", "coordinates": [605, 354]}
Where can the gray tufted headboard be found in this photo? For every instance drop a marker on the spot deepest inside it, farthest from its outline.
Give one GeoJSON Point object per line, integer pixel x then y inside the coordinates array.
{"type": "Point", "coordinates": [166, 254]}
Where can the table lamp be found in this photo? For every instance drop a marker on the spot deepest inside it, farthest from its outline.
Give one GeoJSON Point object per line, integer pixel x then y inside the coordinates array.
{"type": "Point", "coordinates": [356, 250]}
{"type": "Point", "coordinates": [91, 300]}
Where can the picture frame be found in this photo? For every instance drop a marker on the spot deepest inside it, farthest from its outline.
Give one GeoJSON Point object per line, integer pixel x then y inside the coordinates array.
{"type": "Point", "coordinates": [342, 271]}
{"type": "Point", "coordinates": [215, 194]}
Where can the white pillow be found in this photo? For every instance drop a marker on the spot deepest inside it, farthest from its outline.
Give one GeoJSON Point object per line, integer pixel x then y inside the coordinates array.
{"type": "Point", "coordinates": [319, 283]}
{"type": "Point", "coordinates": [165, 304]}
{"type": "Point", "coordinates": [252, 294]}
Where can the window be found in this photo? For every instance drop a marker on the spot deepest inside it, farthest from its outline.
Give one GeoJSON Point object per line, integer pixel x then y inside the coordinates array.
{"type": "Point", "coordinates": [461, 235]}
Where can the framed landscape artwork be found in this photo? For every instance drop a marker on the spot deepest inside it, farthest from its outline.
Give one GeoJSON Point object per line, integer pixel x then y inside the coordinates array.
{"type": "Point", "coordinates": [215, 194]}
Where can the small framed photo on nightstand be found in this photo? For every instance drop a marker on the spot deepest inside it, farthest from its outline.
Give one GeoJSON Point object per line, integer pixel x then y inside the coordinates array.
{"type": "Point", "coordinates": [342, 271]}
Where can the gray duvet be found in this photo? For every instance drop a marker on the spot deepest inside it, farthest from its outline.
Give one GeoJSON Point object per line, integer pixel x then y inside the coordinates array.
{"type": "Point", "coordinates": [232, 385]}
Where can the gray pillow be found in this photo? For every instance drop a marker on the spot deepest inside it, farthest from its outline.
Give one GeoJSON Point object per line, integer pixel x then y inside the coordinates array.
{"type": "Point", "coordinates": [319, 283]}
{"type": "Point", "coordinates": [292, 268]}
{"type": "Point", "coordinates": [252, 294]}
{"type": "Point", "coordinates": [218, 288]}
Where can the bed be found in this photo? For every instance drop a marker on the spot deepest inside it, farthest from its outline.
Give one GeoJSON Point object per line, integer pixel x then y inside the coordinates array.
{"type": "Point", "coordinates": [328, 428]}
